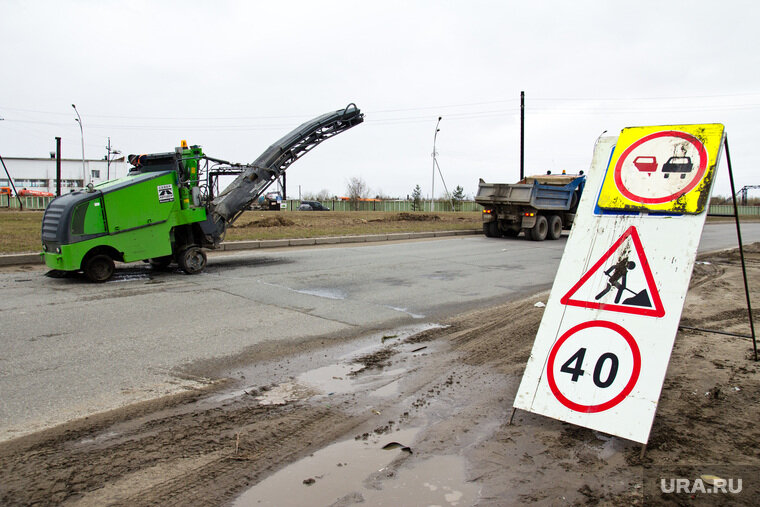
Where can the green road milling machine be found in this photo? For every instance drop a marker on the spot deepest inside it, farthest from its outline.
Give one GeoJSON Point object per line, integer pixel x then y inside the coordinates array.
{"type": "Point", "coordinates": [165, 210]}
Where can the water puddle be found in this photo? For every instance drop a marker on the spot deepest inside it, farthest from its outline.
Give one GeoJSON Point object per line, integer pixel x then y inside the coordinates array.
{"type": "Point", "coordinates": [337, 472]}
{"type": "Point", "coordinates": [333, 379]}
{"type": "Point", "coordinates": [347, 375]}
{"type": "Point", "coordinates": [284, 393]}
{"type": "Point", "coordinates": [389, 389]}
{"type": "Point", "coordinates": [436, 481]}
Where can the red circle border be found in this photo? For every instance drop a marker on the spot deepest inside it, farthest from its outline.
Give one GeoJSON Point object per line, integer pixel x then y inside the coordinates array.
{"type": "Point", "coordinates": [588, 409]}
{"type": "Point", "coordinates": [660, 200]}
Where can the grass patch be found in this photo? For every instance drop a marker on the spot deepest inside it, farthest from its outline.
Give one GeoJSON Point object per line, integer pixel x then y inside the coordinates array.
{"type": "Point", "coordinates": [20, 230]}
{"type": "Point", "coordinates": [314, 224]}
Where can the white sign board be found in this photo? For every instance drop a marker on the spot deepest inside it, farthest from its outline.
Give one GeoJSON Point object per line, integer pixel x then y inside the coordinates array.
{"type": "Point", "coordinates": [603, 346]}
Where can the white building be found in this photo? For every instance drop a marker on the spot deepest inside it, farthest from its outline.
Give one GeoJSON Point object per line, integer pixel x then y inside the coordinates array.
{"type": "Point", "coordinates": [39, 173]}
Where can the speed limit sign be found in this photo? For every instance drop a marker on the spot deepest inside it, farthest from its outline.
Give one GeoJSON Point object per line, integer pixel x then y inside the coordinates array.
{"type": "Point", "coordinates": [593, 366]}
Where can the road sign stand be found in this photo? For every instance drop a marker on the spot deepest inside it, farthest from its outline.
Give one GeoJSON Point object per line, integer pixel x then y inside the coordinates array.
{"type": "Point", "coordinates": [735, 215]}
{"type": "Point", "coordinates": [741, 247]}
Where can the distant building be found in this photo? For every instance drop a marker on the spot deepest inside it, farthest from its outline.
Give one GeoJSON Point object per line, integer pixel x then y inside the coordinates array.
{"type": "Point", "coordinates": [39, 173]}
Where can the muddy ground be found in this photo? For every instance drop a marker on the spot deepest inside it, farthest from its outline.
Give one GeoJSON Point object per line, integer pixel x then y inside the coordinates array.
{"type": "Point", "coordinates": [437, 396]}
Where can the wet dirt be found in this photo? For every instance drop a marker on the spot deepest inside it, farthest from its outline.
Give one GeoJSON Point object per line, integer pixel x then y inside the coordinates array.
{"type": "Point", "coordinates": [444, 392]}
{"type": "Point", "coordinates": [269, 221]}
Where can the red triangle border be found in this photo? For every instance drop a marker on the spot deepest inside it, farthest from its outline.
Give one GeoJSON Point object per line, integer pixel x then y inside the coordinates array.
{"type": "Point", "coordinates": [657, 311]}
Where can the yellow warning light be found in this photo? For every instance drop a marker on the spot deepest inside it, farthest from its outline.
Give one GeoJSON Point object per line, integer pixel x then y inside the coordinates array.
{"type": "Point", "coordinates": [183, 143]}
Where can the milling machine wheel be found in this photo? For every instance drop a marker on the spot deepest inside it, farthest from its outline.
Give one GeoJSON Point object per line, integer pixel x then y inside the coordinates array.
{"type": "Point", "coordinates": [192, 260]}
{"type": "Point", "coordinates": [99, 268]}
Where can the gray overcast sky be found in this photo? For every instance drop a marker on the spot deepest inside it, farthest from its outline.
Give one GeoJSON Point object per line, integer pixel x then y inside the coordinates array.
{"type": "Point", "coordinates": [234, 76]}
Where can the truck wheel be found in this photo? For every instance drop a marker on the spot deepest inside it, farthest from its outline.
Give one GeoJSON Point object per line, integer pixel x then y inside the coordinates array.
{"type": "Point", "coordinates": [192, 260]}
{"type": "Point", "coordinates": [555, 227]}
{"type": "Point", "coordinates": [99, 268]}
{"type": "Point", "coordinates": [540, 230]}
{"type": "Point", "coordinates": [491, 229]}
{"type": "Point", "coordinates": [511, 233]}
{"type": "Point", "coordinates": [161, 263]}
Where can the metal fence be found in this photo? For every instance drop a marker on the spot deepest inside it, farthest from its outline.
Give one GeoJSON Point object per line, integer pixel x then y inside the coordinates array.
{"type": "Point", "coordinates": [728, 209]}
{"type": "Point", "coordinates": [30, 203]}
{"type": "Point", "coordinates": [387, 205]}
{"type": "Point", "coordinates": [40, 203]}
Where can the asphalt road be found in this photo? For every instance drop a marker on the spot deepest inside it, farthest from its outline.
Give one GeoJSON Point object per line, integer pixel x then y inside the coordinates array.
{"type": "Point", "coordinates": [71, 348]}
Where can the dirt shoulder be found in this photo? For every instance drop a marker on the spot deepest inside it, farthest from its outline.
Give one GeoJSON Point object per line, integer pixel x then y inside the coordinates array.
{"type": "Point", "coordinates": [452, 383]}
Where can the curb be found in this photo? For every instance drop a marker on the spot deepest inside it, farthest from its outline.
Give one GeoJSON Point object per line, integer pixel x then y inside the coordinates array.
{"type": "Point", "coordinates": [36, 258]}
{"type": "Point", "coordinates": [14, 259]}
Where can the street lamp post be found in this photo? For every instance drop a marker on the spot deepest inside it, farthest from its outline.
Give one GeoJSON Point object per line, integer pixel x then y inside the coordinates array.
{"type": "Point", "coordinates": [78, 119]}
{"type": "Point", "coordinates": [432, 190]}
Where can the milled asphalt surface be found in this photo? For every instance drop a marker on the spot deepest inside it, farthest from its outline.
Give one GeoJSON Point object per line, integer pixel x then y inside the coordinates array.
{"type": "Point", "coordinates": [71, 348]}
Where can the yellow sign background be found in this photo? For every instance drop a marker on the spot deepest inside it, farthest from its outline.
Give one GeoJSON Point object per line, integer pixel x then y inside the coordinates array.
{"type": "Point", "coordinates": [658, 186]}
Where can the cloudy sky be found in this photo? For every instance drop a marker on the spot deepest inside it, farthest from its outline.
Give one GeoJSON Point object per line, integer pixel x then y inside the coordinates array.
{"type": "Point", "coordinates": [234, 76]}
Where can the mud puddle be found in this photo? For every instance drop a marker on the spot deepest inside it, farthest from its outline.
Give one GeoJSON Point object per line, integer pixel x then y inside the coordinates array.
{"type": "Point", "coordinates": [435, 481]}
{"type": "Point", "coordinates": [335, 473]}
{"type": "Point", "coordinates": [358, 367]}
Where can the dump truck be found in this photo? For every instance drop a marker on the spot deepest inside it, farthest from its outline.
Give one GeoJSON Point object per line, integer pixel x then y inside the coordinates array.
{"type": "Point", "coordinates": [541, 206]}
{"type": "Point", "coordinates": [167, 208]}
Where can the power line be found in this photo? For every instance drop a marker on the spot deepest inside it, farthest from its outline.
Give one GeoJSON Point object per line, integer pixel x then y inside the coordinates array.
{"type": "Point", "coordinates": [394, 110]}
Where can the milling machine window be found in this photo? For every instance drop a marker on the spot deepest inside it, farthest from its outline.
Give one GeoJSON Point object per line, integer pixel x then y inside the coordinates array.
{"type": "Point", "coordinates": [88, 218]}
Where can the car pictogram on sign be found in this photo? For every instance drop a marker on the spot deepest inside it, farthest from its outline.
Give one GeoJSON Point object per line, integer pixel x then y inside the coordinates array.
{"type": "Point", "coordinates": [680, 165]}
{"type": "Point", "coordinates": [646, 164]}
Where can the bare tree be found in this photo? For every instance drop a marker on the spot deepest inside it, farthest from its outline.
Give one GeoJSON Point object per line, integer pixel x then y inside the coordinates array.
{"type": "Point", "coordinates": [356, 188]}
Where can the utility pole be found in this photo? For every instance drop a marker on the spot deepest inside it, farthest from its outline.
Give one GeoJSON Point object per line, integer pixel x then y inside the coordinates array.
{"type": "Point", "coordinates": [58, 167]}
{"type": "Point", "coordinates": [522, 135]}
{"type": "Point", "coordinates": [432, 186]}
{"type": "Point", "coordinates": [108, 160]}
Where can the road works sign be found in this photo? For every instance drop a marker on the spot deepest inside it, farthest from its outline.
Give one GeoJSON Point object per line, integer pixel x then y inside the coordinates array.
{"type": "Point", "coordinates": [667, 169]}
{"type": "Point", "coordinates": [603, 346]}
{"type": "Point", "coordinates": [622, 267]}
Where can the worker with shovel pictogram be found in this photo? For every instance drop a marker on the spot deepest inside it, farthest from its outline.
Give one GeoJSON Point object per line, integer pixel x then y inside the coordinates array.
{"type": "Point", "coordinates": [618, 276]}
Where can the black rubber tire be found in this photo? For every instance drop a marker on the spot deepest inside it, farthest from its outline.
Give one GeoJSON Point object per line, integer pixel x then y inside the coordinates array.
{"type": "Point", "coordinates": [555, 227]}
{"type": "Point", "coordinates": [511, 233]}
{"type": "Point", "coordinates": [540, 230]}
{"type": "Point", "coordinates": [161, 263]}
{"type": "Point", "coordinates": [192, 260]}
{"type": "Point", "coordinates": [491, 229]}
{"type": "Point", "coordinates": [99, 268]}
